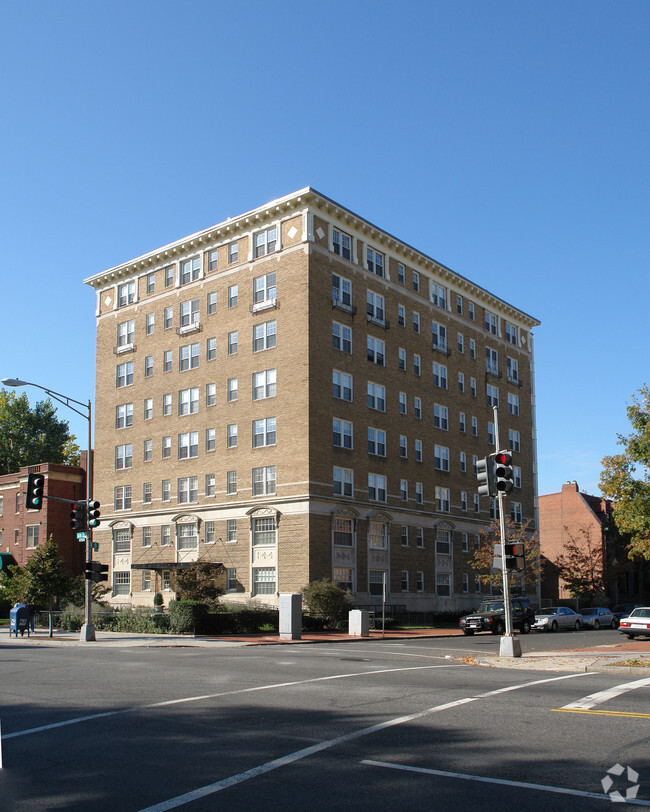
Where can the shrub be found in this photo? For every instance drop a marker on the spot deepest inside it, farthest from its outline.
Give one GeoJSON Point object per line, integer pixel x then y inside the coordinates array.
{"type": "Point", "coordinates": [328, 601]}
{"type": "Point", "coordinates": [186, 616]}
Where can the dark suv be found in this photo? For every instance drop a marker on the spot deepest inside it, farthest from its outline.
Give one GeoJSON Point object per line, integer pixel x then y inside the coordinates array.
{"type": "Point", "coordinates": [490, 617]}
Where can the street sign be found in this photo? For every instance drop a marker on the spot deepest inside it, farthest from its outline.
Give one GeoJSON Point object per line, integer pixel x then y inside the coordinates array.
{"type": "Point", "coordinates": [95, 546]}
{"type": "Point", "coordinates": [81, 536]}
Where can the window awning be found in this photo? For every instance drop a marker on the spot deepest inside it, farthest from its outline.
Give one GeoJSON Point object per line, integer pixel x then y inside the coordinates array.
{"type": "Point", "coordinates": [173, 565]}
{"type": "Point", "coordinates": [6, 560]}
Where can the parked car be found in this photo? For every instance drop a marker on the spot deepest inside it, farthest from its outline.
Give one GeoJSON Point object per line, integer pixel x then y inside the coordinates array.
{"type": "Point", "coordinates": [557, 617]}
{"type": "Point", "coordinates": [622, 610]}
{"type": "Point", "coordinates": [490, 617]}
{"type": "Point", "coordinates": [596, 616]}
{"type": "Point", "coordinates": [637, 623]}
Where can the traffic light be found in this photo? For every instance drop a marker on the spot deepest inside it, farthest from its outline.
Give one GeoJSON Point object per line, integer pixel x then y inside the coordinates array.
{"type": "Point", "coordinates": [93, 514]}
{"type": "Point", "coordinates": [35, 485]}
{"type": "Point", "coordinates": [503, 471]}
{"type": "Point", "coordinates": [96, 572]}
{"type": "Point", "coordinates": [485, 476]}
{"type": "Point", "coordinates": [78, 515]}
{"type": "Point", "coordinates": [514, 558]}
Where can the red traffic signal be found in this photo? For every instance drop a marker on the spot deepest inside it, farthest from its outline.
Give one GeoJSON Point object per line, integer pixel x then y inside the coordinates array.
{"type": "Point", "coordinates": [78, 515]}
{"type": "Point", "coordinates": [503, 471]}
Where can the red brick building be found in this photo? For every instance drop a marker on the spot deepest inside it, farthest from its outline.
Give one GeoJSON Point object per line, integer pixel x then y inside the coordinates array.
{"type": "Point", "coordinates": [22, 530]}
{"type": "Point", "coordinates": [572, 515]}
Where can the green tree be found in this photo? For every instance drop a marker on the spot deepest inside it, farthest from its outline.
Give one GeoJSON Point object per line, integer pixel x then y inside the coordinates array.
{"type": "Point", "coordinates": [42, 578]}
{"type": "Point", "coordinates": [29, 436]}
{"type": "Point", "coordinates": [516, 533]}
{"type": "Point", "coordinates": [198, 582]}
{"type": "Point", "coordinates": [327, 600]}
{"type": "Point", "coordinates": [581, 566]}
{"type": "Point", "coordinates": [625, 478]}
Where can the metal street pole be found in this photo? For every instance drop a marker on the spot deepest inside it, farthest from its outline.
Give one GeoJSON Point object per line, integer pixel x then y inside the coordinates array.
{"type": "Point", "coordinates": [87, 630]}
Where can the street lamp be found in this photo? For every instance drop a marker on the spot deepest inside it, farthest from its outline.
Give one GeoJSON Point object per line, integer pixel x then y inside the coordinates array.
{"type": "Point", "coordinates": [87, 630]}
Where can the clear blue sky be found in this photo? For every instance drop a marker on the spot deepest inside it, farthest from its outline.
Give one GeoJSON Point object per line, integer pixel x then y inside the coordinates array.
{"type": "Point", "coordinates": [509, 140]}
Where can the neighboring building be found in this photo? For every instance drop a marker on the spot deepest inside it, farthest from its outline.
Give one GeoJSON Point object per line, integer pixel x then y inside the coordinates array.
{"type": "Point", "coordinates": [297, 394]}
{"type": "Point", "coordinates": [22, 530]}
{"type": "Point", "coordinates": [574, 516]}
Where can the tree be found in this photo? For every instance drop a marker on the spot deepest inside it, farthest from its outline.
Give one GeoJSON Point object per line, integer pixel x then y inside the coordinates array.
{"type": "Point", "coordinates": [581, 566]}
{"type": "Point", "coordinates": [516, 533]}
{"type": "Point", "coordinates": [42, 578]}
{"type": "Point", "coordinates": [625, 478]}
{"type": "Point", "coordinates": [327, 600]}
{"type": "Point", "coordinates": [198, 582]}
{"type": "Point", "coordinates": [29, 436]}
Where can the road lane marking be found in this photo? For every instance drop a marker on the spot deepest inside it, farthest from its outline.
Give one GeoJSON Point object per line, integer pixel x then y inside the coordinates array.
{"type": "Point", "coordinates": [501, 781]}
{"type": "Point", "coordinates": [168, 702]}
{"type": "Point", "coordinates": [603, 713]}
{"type": "Point", "coordinates": [598, 698]}
{"type": "Point", "coordinates": [225, 783]}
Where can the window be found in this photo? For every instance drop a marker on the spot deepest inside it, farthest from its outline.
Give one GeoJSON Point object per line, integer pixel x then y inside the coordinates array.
{"type": "Point", "coordinates": [376, 582]}
{"type": "Point", "coordinates": [440, 376]}
{"type": "Point", "coordinates": [438, 336]}
{"type": "Point", "coordinates": [472, 387]}
{"type": "Point", "coordinates": [121, 583]}
{"type": "Point", "coordinates": [341, 292]}
{"type": "Point", "coordinates": [417, 446]}
{"type": "Point", "coordinates": [151, 282]}
{"type": "Point", "coordinates": [264, 384]}
{"type": "Point", "coordinates": [462, 462]}
{"type": "Point", "coordinates": [125, 294]}
{"type": "Point", "coordinates": [460, 342]}
{"type": "Point", "coordinates": [441, 458]}
{"type": "Point", "coordinates": [443, 542]}
{"type": "Point", "coordinates": [2, 505]}
{"type": "Point", "coordinates": [189, 313]}
{"type": "Point", "coordinates": [511, 334]}
{"type": "Point", "coordinates": [233, 295]}
{"type": "Point", "coordinates": [264, 480]}
{"type": "Point", "coordinates": [377, 442]}
{"type": "Point", "coordinates": [343, 577]}
{"type": "Point", "coordinates": [264, 531]}
{"type": "Point", "coordinates": [470, 311]}
{"type": "Point", "coordinates": [415, 280]}
{"type": "Point", "coordinates": [264, 242]}
{"type": "Point", "coordinates": [188, 401]}
{"type": "Point", "coordinates": [148, 451]}
{"type": "Point", "coordinates": [417, 364]}
{"type": "Point", "coordinates": [212, 260]}
{"type": "Point", "coordinates": [440, 416]}
{"type": "Point", "coordinates": [491, 361]}
{"type": "Point", "coordinates": [233, 253]}
{"type": "Point", "coordinates": [401, 359]}
{"type": "Point", "coordinates": [188, 445]}
{"type": "Point", "coordinates": [463, 500]}
{"type": "Point", "coordinates": [123, 415]}
{"type": "Point", "coordinates": [264, 291]}
{"type": "Point", "coordinates": [168, 321]}
{"type": "Point", "coordinates": [491, 434]}
{"type": "Point", "coordinates": [166, 447]}
{"type": "Point", "coordinates": [263, 581]}
{"type": "Point", "coordinates": [513, 370]}
{"type": "Point", "coordinates": [341, 244]}
{"type": "Point", "coordinates": [405, 581]}
{"type": "Point", "coordinates": [210, 394]}
{"type": "Point", "coordinates": [210, 532]}
{"type": "Point", "coordinates": [516, 476]}
{"type": "Point", "coordinates": [474, 427]}
{"type": "Point", "coordinates": [514, 440]}
{"type": "Point", "coordinates": [32, 536]}
{"type": "Point", "coordinates": [233, 341]}
{"type": "Point", "coordinates": [232, 389]}
{"type": "Point", "coordinates": [376, 350]}
{"type": "Point", "coordinates": [491, 323]}
{"type": "Point", "coordinates": [515, 512]}
{"type": "Point", "coordinates": [188, 357]}
{"type": "Point", "coordinates": [186, 536]}
{"type": "Point", "coordinates": [123, 456]}
{"type": "Point", "coordinates": [401, 273]}
{"type": "Point", "coordinates": [146, 493]}
{"type": "Point", "coordinates": [231, 531]}
{"type": "Point", "coordinates": [375, 308]}
{"type": "Point", "coordinates": [403, 446]}
{"type": "Point", "coordinates": [404, 537]}
{"type": "Point", "coordinates": [343, 482]}
{"type": "Point", "coordinates": [148, 366]}
{"type": "Point", "coordinates": [461, 381]}
{"type": "Point", "coordinates": [122, 497]}
{"type": "Point", "coordinates": [168, 273]}
{"type": "Point", "coordinates": [419, 581]}
{"type": "Point", "coordinates": [146, 537]}
{"type": "Point", "coordinates": [231, 436]}
{"type": "Point", "coordinates": [166, 491]}
{"type": "Point", "coordinates": [472, 348]}
{"type": "Point", "coordinates": [375, 262]}
{"type": "Point", "coordinates": [341, 337]}
{"type": "Point", "coordinates": [513, 404]}
{"type": "Point", "coordinates": [165, 537]}
{"type": "Point", "coordinates": [439, 296]}
{"type": "Point", "coordinates": [465, 582]}
{"type": "Point", "coordinates": [419, 537]}
{"type": "Point", "coordinates": [442, 499]}
{"type": "Point", "coordinates": [168, 362]}
{"type": "Point", "coordinates": [492, 395]}
{"type": "Point", "coordinates": [124, 374]}
{"type": "Point", "coordinates": [188, 490]}
{"type": "Point", "coordinates": [464, 542]}
{"type": "Point", "coordinates": [417, 407]}
{"type": "Point", "coordinates": [126, 333]}
{"type": "Point", "coordinates": [376, 396]}
{"type": "Point", "coordinates": [403, 405]}
{"type": "Point", "coordinates": [378, 535]}
{"type": "Point", "coordinates": [190, 270]}
{"type": "Point", "coordinates": [376, 488]}
{"type": "Point", "coordinates": [404, 490]}
{"type": "Point", "coordinates": [264, 336]}
{"type": "Point", "coordinates": [165, 579]}
{"type": "Point", "coordinates": [341, 433]}
{"type": "Point", "coordinates": [231, 482]}
{"type": "Point", "coordinates": [146, 580]}
{"type": "Point", "coordinates": [264, 432]}
{"type": "Point", "coordinates": [210, 349]}
{"type": "Point", "coordinates": [401, 316]}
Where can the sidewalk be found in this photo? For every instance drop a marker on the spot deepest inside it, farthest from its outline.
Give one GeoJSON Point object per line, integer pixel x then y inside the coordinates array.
{"type": "Point", "coordinates": [606, 658]}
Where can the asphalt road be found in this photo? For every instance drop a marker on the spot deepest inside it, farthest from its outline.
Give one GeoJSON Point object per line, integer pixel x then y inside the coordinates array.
{"type": "Point", "coordinates": [371, 725]}
{"type": "Point", "coordinates": [544, 641]}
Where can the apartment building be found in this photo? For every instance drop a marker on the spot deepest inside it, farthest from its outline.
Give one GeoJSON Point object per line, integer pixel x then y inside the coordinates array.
{"type": "Point", "coordinates": [297, 394]}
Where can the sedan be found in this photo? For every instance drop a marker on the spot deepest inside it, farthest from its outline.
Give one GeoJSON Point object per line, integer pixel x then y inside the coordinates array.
{"type": "Point", "coordinates": [557, 617]}
{"type": "Point", "coordinates": [638, 623]}
{"type": "Point", "coordinates": [596, 616]}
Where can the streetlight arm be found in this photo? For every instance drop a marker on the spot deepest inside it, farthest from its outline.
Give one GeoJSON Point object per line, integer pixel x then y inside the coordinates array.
{"type": "Point", "coordinates": [64, 399]}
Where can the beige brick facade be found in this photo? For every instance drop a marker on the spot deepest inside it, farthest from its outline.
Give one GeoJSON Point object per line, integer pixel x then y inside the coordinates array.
{"type": "Point", "coordinates": [317, 345]}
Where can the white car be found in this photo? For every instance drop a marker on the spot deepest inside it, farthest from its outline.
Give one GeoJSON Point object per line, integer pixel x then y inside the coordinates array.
{"type": "Point", "coordinates": [557, 617]}
{"type": "Point", "coordinates": [637, 623]}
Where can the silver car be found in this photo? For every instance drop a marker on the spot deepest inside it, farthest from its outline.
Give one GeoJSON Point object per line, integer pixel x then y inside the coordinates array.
{"type": "Point", "coordinates": [596, 616]}
{"type": "Point", "coordinates": [557, 617]}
